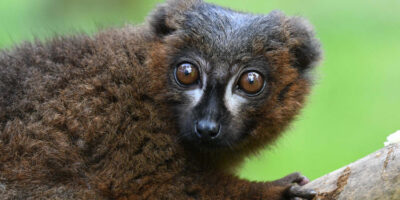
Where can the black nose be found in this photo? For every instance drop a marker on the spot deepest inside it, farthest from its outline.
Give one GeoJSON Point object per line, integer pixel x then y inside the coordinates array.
{"type": "Point", "coordinates": [207, 129]}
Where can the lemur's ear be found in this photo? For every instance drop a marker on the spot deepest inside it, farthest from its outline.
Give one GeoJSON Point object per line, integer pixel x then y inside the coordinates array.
{"type": "Point", "coordinates": [305, 47]}
{"type": "Point", "coordinates": [169, 16]}
{"type": "Point", "coordinates": [299, 37]}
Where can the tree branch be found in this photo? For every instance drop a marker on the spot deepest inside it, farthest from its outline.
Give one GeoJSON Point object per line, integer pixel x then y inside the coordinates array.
{"type": "Point", "coordinates": [376, 176]}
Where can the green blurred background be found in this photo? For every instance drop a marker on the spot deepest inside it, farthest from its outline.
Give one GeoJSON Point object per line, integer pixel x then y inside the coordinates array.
{"type": "Point", "coordinates": [354, 105]}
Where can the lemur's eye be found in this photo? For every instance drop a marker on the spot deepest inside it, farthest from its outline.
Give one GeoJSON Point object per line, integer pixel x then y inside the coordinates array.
{"type": "Point", "coordinates": [187, 74]}
{"type": "Point", "coordinates": [251, 82]}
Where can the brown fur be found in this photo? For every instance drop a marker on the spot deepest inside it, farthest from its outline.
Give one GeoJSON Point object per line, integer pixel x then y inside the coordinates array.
{"type": "Point", "coordinates": [86, 118]}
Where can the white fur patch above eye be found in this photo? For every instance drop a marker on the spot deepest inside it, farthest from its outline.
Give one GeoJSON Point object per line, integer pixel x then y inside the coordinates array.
{"type": "Point", "coordinates": [195, 96]}
{"type": "Point", "coordinates": [232, 101]}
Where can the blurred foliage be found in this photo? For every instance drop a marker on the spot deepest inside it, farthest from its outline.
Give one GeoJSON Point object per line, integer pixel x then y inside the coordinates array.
{"type": "Point", "coordinates": [354, 105]}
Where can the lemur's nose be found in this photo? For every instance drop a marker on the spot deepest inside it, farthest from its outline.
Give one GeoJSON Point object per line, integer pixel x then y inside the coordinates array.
{"type": "Point", "coordinates": [207, 129]}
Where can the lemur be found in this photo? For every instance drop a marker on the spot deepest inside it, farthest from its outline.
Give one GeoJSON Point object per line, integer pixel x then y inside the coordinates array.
{"type": "Point", "coordinates": [163, 110]}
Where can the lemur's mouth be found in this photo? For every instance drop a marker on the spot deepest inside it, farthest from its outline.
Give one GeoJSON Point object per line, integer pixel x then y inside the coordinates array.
{"type": "Point", "coordinates": [210, 138]}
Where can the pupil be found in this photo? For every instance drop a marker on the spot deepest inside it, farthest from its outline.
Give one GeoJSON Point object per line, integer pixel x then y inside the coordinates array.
{"type": "Point", "coordinates": [251, 78]}
{"type": "Point", "coordinates": [188, 70]}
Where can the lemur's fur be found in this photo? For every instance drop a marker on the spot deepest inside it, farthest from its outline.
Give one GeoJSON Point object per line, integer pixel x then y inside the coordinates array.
{"type": "Point", "coordinates": [100, 117]}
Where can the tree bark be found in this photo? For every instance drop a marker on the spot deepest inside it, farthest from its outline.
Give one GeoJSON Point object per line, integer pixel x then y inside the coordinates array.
{"type": "Point", "coordinates": [376, 176]}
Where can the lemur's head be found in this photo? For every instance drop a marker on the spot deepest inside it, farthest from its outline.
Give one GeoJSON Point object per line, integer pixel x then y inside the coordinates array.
{"type": "Point", "coordinates": [234, 79]}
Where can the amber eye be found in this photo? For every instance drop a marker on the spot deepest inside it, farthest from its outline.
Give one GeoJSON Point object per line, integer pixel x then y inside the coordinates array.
{"type": "Point", "coordinates": [251, 82]}
{"type": "Point", "coordinates": [187, 74]}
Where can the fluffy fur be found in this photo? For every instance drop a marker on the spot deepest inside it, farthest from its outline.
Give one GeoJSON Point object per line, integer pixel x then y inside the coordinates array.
{"type": "Point", "coordinates": [96, 117]}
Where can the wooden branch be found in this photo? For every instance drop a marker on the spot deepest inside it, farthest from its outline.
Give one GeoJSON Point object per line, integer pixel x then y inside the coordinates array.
{"type": "Point", "coordinates": [376, 176]}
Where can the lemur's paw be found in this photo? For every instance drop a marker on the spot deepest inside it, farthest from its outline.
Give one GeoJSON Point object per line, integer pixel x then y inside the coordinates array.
{"type": "Point", "coordinates": [294, 181]}
{"type": "Point", "coordinates": [296, 192]}
{"type": "Point", "coordinates": [295, 177]}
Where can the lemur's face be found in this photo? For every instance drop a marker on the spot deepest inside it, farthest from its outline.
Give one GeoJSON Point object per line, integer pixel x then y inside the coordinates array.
{"type": "Point", "coordinates": [218, 97]}
{"type": "Point", "coordinates": [234, 80]}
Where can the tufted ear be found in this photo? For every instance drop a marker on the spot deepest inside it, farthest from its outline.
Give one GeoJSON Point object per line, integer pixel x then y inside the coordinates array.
{"type": "Point", "coordinates": [302, 43]}
{"type": "Point", "coordinates": [169, 16]}
{"type": "Point", "coordinates": [297, 35]}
